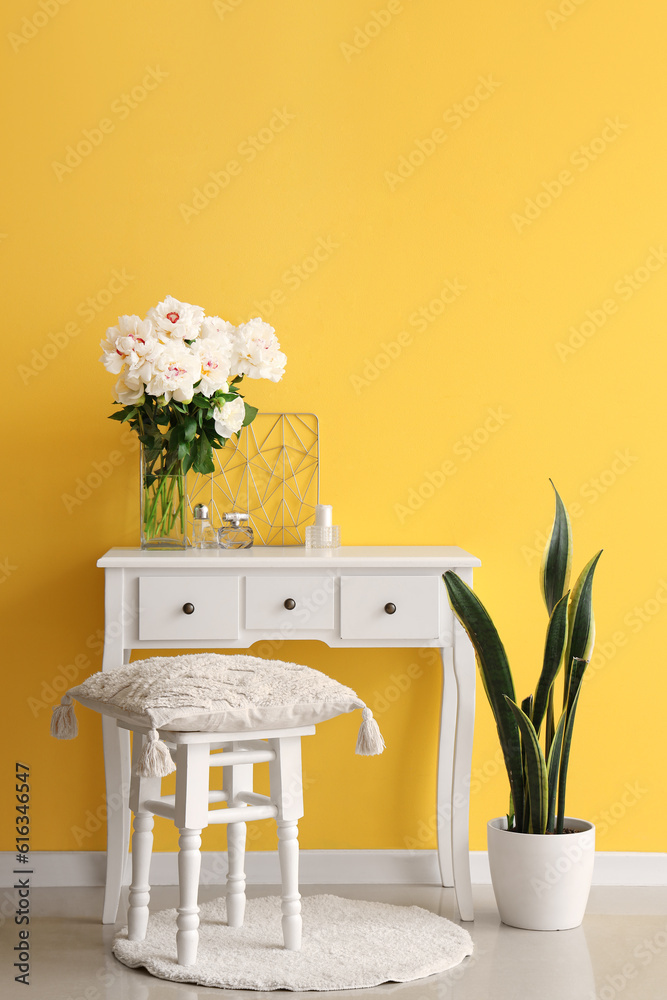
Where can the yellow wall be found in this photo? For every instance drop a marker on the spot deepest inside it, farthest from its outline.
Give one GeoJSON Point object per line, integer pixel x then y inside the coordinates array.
{"type": "Point", "coordinates": [511, 103]}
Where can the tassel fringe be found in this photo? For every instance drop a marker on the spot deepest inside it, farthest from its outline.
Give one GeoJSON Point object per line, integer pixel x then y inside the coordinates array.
{"type": "Point", "coordinates": [369, 740]}
{"type": "Point", "coordinates": [155, 760]}
{"type": "Point", "coordinates": [63, 720]}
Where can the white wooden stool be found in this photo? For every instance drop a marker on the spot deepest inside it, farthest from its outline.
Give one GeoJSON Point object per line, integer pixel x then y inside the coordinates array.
{"type": "Point", "coordinates": [194, 755]}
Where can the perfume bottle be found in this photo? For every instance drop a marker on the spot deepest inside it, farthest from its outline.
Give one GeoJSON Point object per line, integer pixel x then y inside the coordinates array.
{"type": "Point", "coordinates": [235, 532]}
{"type": "Point", "coordinates": [203, 532]}
{"type": "Point", "coordinates": [323, 534]}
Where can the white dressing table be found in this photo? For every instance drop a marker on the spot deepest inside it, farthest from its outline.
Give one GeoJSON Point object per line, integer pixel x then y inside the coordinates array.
{"type": "Point", "coordinates": [351, 597]}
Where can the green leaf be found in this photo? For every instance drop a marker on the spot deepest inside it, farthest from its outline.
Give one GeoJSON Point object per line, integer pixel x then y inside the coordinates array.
{"type": "Point", "coordinates": [553, 765]}
{"type": "Point", "coordinates": [250, 414]}
{"type": "Point", "coordinates": [557, 557]}
{"type": "Point", "coordinates": [572, 699]}
{"type": "Point", "coordinates": [580, 619]}
{"type": "Point", "coordinates": [536, 770]}
{"type": "Point", "coordinates": [496, 676]}
{"type": "Point", "coordinates": [553, 657]}
{"type": "Point", "coordinates": [190, 427]}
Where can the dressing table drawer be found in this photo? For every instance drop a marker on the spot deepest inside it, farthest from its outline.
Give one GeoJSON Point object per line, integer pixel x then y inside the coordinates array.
{"type": "Point", "coordinates": [179, 607]}
{"type": "Point", "coordinates": [390, 607]}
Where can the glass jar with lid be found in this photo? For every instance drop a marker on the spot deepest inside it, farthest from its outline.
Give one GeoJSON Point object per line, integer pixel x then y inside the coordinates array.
{"type": "Point", "coordinates": [235, 532]}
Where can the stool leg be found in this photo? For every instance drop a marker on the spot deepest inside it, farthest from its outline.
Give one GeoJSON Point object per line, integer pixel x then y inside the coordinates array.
{"type": "Point", "coordinates": [189, 864]}
{"type": "Point", "coordinates": [236, 778]}
{"type": "Point", "coordinates": [288, 853]}
{"type": "Point", "coordinates": [287, 795]}
{"type": "Point", "coordinates": [140, 890]}
{"type": "Point", "coordinates": [236, 835]}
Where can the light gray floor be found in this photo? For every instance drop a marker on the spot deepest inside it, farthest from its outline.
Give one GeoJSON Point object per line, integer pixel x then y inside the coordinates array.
{"type": "Point", "coordinates": [619, 952]}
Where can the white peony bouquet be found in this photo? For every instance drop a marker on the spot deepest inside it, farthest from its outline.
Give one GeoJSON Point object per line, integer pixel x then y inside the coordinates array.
{"type": "Point", "coordinates": [178, 385]}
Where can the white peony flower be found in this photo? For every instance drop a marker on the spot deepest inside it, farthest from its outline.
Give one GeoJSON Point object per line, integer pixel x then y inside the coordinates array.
{"type": "Point", "coordinates": [172, 318]}
{"type": "Point", "coordinates": [215, 347]}
{"type": "Point", "coordinates": [229, 418]}
{"type": "Point", "coordinates": [175, 371]}
{"type": "Point", "coordinates": [129, 389]}
{"type": "Point", "coordinates": [258, 353]}
{"type": "Point", "coordinates": [131, 344]}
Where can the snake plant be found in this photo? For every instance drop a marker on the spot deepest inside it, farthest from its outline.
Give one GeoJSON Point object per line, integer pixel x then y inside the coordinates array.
{"type": "Point", "coordinates": [537, 771]}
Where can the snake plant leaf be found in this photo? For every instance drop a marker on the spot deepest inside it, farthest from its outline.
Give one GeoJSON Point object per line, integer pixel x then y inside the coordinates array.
{"type": "Point", "coordinates": [553, 768]}
{"type": "Point", "coordinates": [557, 557]}
{"type": "Point", "coordinates": [536, 770]}
{"type": "Point", "coordinates": [496, 676]}
{"type": "Point", "coordinates": [553, 656]}
{"type": "Point", "coordinates": [572, 699]}
{"type": "Point", "coordinates": [580, 620]}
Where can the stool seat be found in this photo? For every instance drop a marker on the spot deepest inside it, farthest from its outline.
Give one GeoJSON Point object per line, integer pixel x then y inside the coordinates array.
{"type": "Point", "coordinates": [195, 754]}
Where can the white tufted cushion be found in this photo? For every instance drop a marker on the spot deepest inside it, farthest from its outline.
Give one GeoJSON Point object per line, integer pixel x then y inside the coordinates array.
{"type": "Point", "coordinates": [212, 692]}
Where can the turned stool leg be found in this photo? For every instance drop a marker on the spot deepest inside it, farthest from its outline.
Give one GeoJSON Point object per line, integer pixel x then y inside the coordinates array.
{"type": "Point", "coordinates": [191, 815]}
{"type": "Point", "coordinates": [287, 795]}
{"type": "Point", "coordinates": [236, 836]}
{"type": "Point", "coordinates": [236, 778]}
{"type": "Point", "coordinates": [189, 864]}
{"type": "Point", "coordinates": [288, 853]}
{"type": "Point", "coordinates": [140, 890]}
{"type": "Point", "coordinates": [141, 789]}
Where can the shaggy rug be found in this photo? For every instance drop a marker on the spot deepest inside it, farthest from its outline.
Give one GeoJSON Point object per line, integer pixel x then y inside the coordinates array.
{"type": "Point", "coordinates": [347, 944]}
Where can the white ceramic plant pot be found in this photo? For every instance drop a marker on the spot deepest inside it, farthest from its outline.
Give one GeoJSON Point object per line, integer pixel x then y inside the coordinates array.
{"type": "Point", "coordinates": [541, 882]}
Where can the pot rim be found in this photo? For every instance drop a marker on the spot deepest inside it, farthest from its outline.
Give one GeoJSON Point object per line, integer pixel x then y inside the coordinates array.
{"type": "Point", "coordinates": [586, 827]}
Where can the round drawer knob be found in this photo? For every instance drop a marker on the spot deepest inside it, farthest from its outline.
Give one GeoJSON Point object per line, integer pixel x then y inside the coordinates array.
{"type": "Point", "coordinates": [290, 604]}
{"type": "Point", "coordinates": [188, 609]}
{"type": "Point", "coordinates": [390, 609]}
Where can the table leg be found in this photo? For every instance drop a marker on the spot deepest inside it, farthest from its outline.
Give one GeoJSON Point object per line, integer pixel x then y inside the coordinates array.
{"type": "Point", "coordinates": [117, 771]}
{"type": "Point", "coordinates": [464, 670]}
{"type": "Point", "coordinates": [445, 767]}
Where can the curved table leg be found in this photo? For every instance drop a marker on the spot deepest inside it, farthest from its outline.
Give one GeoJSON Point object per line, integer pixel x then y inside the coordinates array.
{"type": "Point", "coordinates": [464, 671]}
{"type": "Point", "coordinates": [117, 770]}
{"type": "Point", "coordinates": [445, 767]}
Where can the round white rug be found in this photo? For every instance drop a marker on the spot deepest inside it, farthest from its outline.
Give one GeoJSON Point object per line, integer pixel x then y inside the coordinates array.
{"type": "Point", "coordinates": [347, 944]}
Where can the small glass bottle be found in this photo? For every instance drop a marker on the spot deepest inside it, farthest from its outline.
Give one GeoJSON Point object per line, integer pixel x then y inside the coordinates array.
{"type": "Point", "coordinates": [235, 532]}
{"type": "Point", "coordinates": [203, 532]}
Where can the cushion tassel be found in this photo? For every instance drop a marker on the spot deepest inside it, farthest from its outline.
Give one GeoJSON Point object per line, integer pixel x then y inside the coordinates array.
{"type": "Point", "coordinates": [155, 760]}
{"type": "Point", "coordinates": [63, 720]}
{"type": "Point", "coordinates": [369, 739]}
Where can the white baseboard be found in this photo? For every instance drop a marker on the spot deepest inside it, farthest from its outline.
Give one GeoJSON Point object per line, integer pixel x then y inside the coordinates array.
{"type": "Point", "coordinates": [86, 868]}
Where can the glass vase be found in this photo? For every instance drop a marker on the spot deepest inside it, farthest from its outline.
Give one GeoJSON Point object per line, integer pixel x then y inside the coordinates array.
{"type": "Point", "coordinates": [163, 501]}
